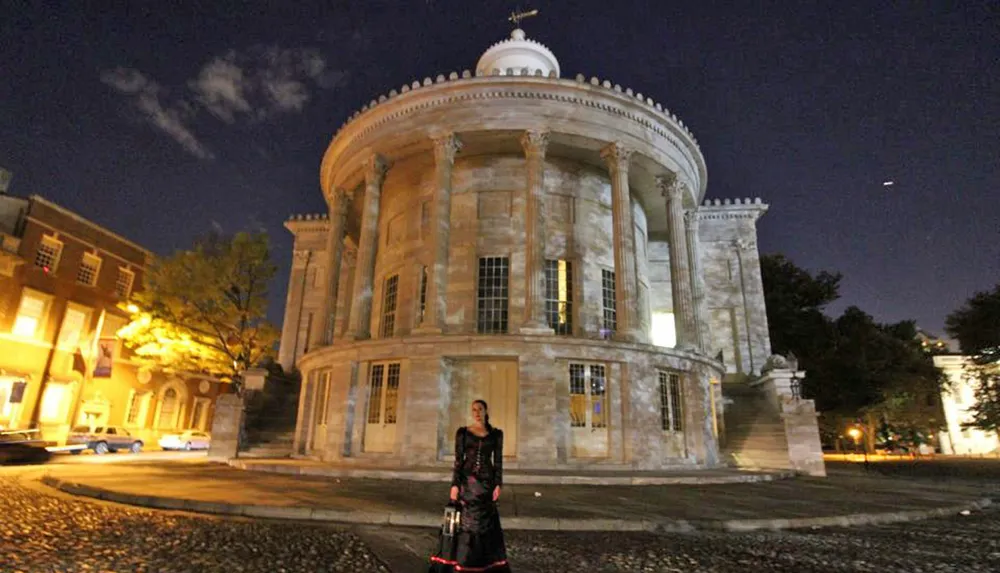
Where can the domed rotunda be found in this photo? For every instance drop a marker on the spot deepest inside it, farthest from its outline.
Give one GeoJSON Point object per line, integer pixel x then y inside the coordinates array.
{"type": "Point", "coordinates": [531, 240]}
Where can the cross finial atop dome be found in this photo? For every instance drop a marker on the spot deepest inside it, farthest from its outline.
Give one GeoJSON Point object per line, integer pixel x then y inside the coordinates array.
{"type": "Point", "coordinates": [516, 16]}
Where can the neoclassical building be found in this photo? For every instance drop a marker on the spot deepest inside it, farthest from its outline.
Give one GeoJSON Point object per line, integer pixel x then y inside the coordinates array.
{"type": "Point", "coordinates": [538, 242]}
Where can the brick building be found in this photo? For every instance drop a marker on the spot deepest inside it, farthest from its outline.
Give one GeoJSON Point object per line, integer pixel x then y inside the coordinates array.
{"type": "Point", "coordinates": [63, 281]}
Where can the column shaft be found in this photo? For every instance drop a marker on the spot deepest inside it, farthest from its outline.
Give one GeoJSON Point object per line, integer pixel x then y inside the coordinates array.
{"type": "Point", "coordinates": [618, 158]}
{"type": "Point", "coordinates": [680, 273]}
{"type": "Point", "coordinates": [697, 279]}
{"type": "Point", "coordinates": [322, 334]}
{"type": "Point", "coordinates": [534, 144]}
{"type": "Point", "coordinates": [436, 304]}
{"type": "Point", "coordinates": [359, 325]}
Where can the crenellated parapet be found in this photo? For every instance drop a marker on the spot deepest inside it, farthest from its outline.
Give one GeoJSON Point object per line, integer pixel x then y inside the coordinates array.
{"type": "Point", "coordinates": [308, 222]}
{"type": "Point", "coordinates": [722, 209]}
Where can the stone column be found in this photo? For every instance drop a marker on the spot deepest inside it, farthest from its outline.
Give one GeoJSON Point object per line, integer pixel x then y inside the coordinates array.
{"type": "Point", "coordinates": [697, 279]}
{"type": "Point", "coordinates": [623, 235]}
{"type": "Point", "coordinates": [680, 273]}
{"type": "Point", "coordinates": [436, 304]}
{"type": "Point", "coordinates": [291, 328]}
{"type": "Point", "coordinates": [359, 325]}
{"type": "Point", "coordinates": [322, 334]}
{"type": "Point", "coordinates": [534, 144]}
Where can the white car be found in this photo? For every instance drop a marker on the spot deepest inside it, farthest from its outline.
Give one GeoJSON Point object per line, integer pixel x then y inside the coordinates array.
{"type": "Point", "coordinates": [189, 440]}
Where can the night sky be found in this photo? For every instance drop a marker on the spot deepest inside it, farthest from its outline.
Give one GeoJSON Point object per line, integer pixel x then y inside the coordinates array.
{"type": "Point", "coordinates": [162, 123]}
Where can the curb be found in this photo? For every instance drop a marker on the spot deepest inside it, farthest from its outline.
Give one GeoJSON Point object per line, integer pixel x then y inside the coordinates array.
{"type": "Point", "coordinates": [443, 477]}
{"type": "Point", "coordinates": [300, 513]}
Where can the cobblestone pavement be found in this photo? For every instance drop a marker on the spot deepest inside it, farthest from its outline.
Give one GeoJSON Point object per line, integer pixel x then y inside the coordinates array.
{"type": "Point", "coordinates": [42, 531]}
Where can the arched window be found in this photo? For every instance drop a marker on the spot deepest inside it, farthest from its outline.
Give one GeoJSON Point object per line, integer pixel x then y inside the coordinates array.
{"type": "Point", "coordinates": [168, 410]}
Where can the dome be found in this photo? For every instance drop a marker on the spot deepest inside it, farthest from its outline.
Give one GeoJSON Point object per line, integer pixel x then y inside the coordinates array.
{"type": "Point", "coordinates": [516, 54]}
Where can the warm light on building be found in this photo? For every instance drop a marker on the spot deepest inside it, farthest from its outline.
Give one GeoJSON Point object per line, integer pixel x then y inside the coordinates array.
{"type": "Point", "coordinates": [664, 330]}
{"type": "Point", "coordinates": [958, 399]}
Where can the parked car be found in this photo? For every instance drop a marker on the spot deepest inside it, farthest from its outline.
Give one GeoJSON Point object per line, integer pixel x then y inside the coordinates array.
{"type": "Point", "coordinates": [188, 440]}
{"type": "Point", "coordinates": [22, 448]}
{"type": "Point", "coordinates": [103, 440]}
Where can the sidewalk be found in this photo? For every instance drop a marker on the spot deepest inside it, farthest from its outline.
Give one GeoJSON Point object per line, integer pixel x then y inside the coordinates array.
{"type": "Point", "coordinates": [842, 500]}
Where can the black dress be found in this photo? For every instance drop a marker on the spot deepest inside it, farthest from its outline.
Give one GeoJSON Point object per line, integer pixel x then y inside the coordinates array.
{"type": "Point", "coordinates": [478, 469]}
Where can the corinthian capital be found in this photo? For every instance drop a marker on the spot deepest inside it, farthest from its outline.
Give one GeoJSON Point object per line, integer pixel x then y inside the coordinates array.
{"type": "Point", "coordinates": [691, 218]}
{"type": "Point", "coordinates": [535, 143]}
{"type": "Point", "coordinates": [671, 187]}
{"type": "Point", "coordinates": [445, 148]}
{"type": "Point", "coordinates": [339, 200]}
{"type": "Point", "coordinates": [617, 155]}
{"type": "Point", "coordinates": [375, 168]}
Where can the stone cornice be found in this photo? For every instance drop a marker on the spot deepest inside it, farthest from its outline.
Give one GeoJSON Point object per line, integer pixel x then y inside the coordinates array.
{"type": "Point", "coordinates": [731, 209]}
{"type": "Point", "coordinates": [642, 112]}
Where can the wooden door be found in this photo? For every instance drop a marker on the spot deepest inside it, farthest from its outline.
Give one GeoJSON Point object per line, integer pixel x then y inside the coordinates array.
{"type": "Point", "coordinates": [589, 416]}
{"type": "Point", "coordinates": [383, 404]}
{"type": "Point", "coordinates": [496, 382]}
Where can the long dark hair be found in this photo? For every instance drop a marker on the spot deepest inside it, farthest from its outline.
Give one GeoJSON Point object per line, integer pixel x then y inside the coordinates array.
{"type": "Point", "coordinates": [486, 410]}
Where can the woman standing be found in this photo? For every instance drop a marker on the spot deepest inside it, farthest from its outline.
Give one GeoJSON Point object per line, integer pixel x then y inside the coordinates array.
{"type": "Point", "coordinates": [475, 486]}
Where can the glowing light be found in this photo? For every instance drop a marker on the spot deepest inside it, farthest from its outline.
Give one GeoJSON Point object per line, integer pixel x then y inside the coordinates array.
{"type": "Point", "coordinates": [132, 308]}
{"type": "Point", "coordinates": [663, 331]}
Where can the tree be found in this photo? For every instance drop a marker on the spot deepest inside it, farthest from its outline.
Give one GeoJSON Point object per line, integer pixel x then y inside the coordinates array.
{"type": "Point", "coordinates": [203, 310]}
{"type": "Point", "coordinates": [856, 369]}
{"type": "Point", "coordinates": [976, 325]}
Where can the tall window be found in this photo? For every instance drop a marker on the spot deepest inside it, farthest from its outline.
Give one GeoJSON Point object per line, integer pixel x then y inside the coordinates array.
{"type": "Point", "coordinates": [123, 282]}
{"type": "Point", "coordinates": [168, 410]}
{"type": "Point", "coordinates": [492, 295]}
{"type": "Point", "coordinates": [73, 327]}
{"type": "Point", "coordinates": [610, 322]}
{"type": "Point", "coordinates": [422, 296]}
{"type": "Point", "coordinates": [559, 295]}
{"type": "Point", "coordinates": [48, 253]}
{"type": "Point", "coordinates": [134, 403]}
{"type": "Point", "coordinates": [391, 393]}
{"type": "Point", "coordinates": [375, 393]}
{"type": "Point", "coordinates": [90, 267]}
{"type": "Point", "coordinates": [588, 387]}
{"type": "Point", "coordinates": [31, 314]}
{"type": "Point", "coordinates": [671, 418]}
{"type": "Point", "coordinates": [389, 297]}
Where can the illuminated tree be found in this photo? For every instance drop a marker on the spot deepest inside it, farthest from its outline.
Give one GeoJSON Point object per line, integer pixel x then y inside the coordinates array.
{"type": "Point", "coordinates": [976, 325]}
{"type": "Point", "coordinates": [203, 310]}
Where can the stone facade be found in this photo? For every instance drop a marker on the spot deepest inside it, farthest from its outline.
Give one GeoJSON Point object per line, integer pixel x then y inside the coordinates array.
{"type": "Point", "coordinates": [538, 242]}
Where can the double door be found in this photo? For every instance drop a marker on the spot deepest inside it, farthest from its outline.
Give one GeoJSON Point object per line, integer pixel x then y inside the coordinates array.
{"type": "Point", "coordinates": [496, 383]}
{"type": "Point", "coordinates": [382, 414]}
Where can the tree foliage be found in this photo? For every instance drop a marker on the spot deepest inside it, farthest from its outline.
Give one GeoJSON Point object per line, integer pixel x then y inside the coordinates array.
{"type": "Point", "coordinates": [856, 368]}
{"type": "Point", "coordinates": [976, 325]}
{"type": "Point", "coordinates": [204, 309]}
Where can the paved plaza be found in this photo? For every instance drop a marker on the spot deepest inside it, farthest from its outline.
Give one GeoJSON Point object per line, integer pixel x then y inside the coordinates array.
{"type": "Point", "coordinates": [46, 530]}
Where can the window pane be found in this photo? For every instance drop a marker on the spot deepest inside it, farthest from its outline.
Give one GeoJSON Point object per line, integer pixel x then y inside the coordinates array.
{"type": "Point", "coordinates": [664, 401]}
{"type": "Point", "coordinates": [422, 307]}
{"type": "Point", "coordinates": [47, 256]}
{"type": "Point", "coordinates": [73, 326]}
{"type": "Point", "coordinates": [559, 296]}
{"type": "Point", "coordinates": [375, 394]}
{"type": "Point", "coordinates": [610, 318]}
{"type": "Point", "coordinates": [577, 396]}
{"type": "Point", "coordinates": [391, 393]}
{"type": "Point", "coordinates": [90, 266]}
{"type": "Point", "coordinates": [492, 295]}
{"type": "Point", "coordinates": [389, 306]}
{"type": "Point", "coordinates": [29, 315]}
{"type": "Point", "coordinates": [676, 412]}
{"type": "Point", "coordinates": [598, 403]}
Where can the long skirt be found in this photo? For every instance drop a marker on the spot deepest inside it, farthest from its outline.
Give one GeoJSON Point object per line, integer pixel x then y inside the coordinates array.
{"type": "Point", "coordinates": [479, 545]}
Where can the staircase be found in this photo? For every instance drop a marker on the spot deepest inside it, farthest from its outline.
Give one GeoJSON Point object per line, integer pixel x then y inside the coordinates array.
{"type": "Point", "coordinates": [270, 424]}
{"type": "Point", "coordinates": [754, 431]}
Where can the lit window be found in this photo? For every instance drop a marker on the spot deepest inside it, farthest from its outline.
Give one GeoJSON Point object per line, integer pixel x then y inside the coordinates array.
{"type": "Point", "coordinates": [491, 303]}
{"type": "Point", "coordinates": [389, 306]}
{"type": "Point", "coordinates": [47, 256]}
{"type": "Point", "coordinates": [54, 402]}
{"type": "Point", "coordinates": [422, 305]}
{"type": "Point", "coordinates": [610, 322]}
{"type": "Point", "coordinates": [664, 330]}
{"type": "Point", "coordinates": [123, 283]}
{"type": "Point", "coordinates": [30, 314]}
{"type": "Point", "coordinates": [671, 419]}
{"type": "Point", "coordinates": [587, 396]}
{"type": "Point", "coordinates": [90, 267]}
{"type": "Point", "coordinates": [73, 326]}
{"type": "Point", "coordinates": [559, 295]}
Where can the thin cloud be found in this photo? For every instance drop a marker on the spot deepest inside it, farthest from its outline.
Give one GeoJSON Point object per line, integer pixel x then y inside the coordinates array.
{"type": "Point", "coordinates": [254, 85]}
{"type": "Point", "coordinates": [145, 95]}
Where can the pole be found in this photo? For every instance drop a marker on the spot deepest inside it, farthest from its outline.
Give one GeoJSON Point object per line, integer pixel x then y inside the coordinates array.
{"type": "Point", "coordinates": [89, 374]}
{"type": "Point", "coordinates": [36, 409]}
